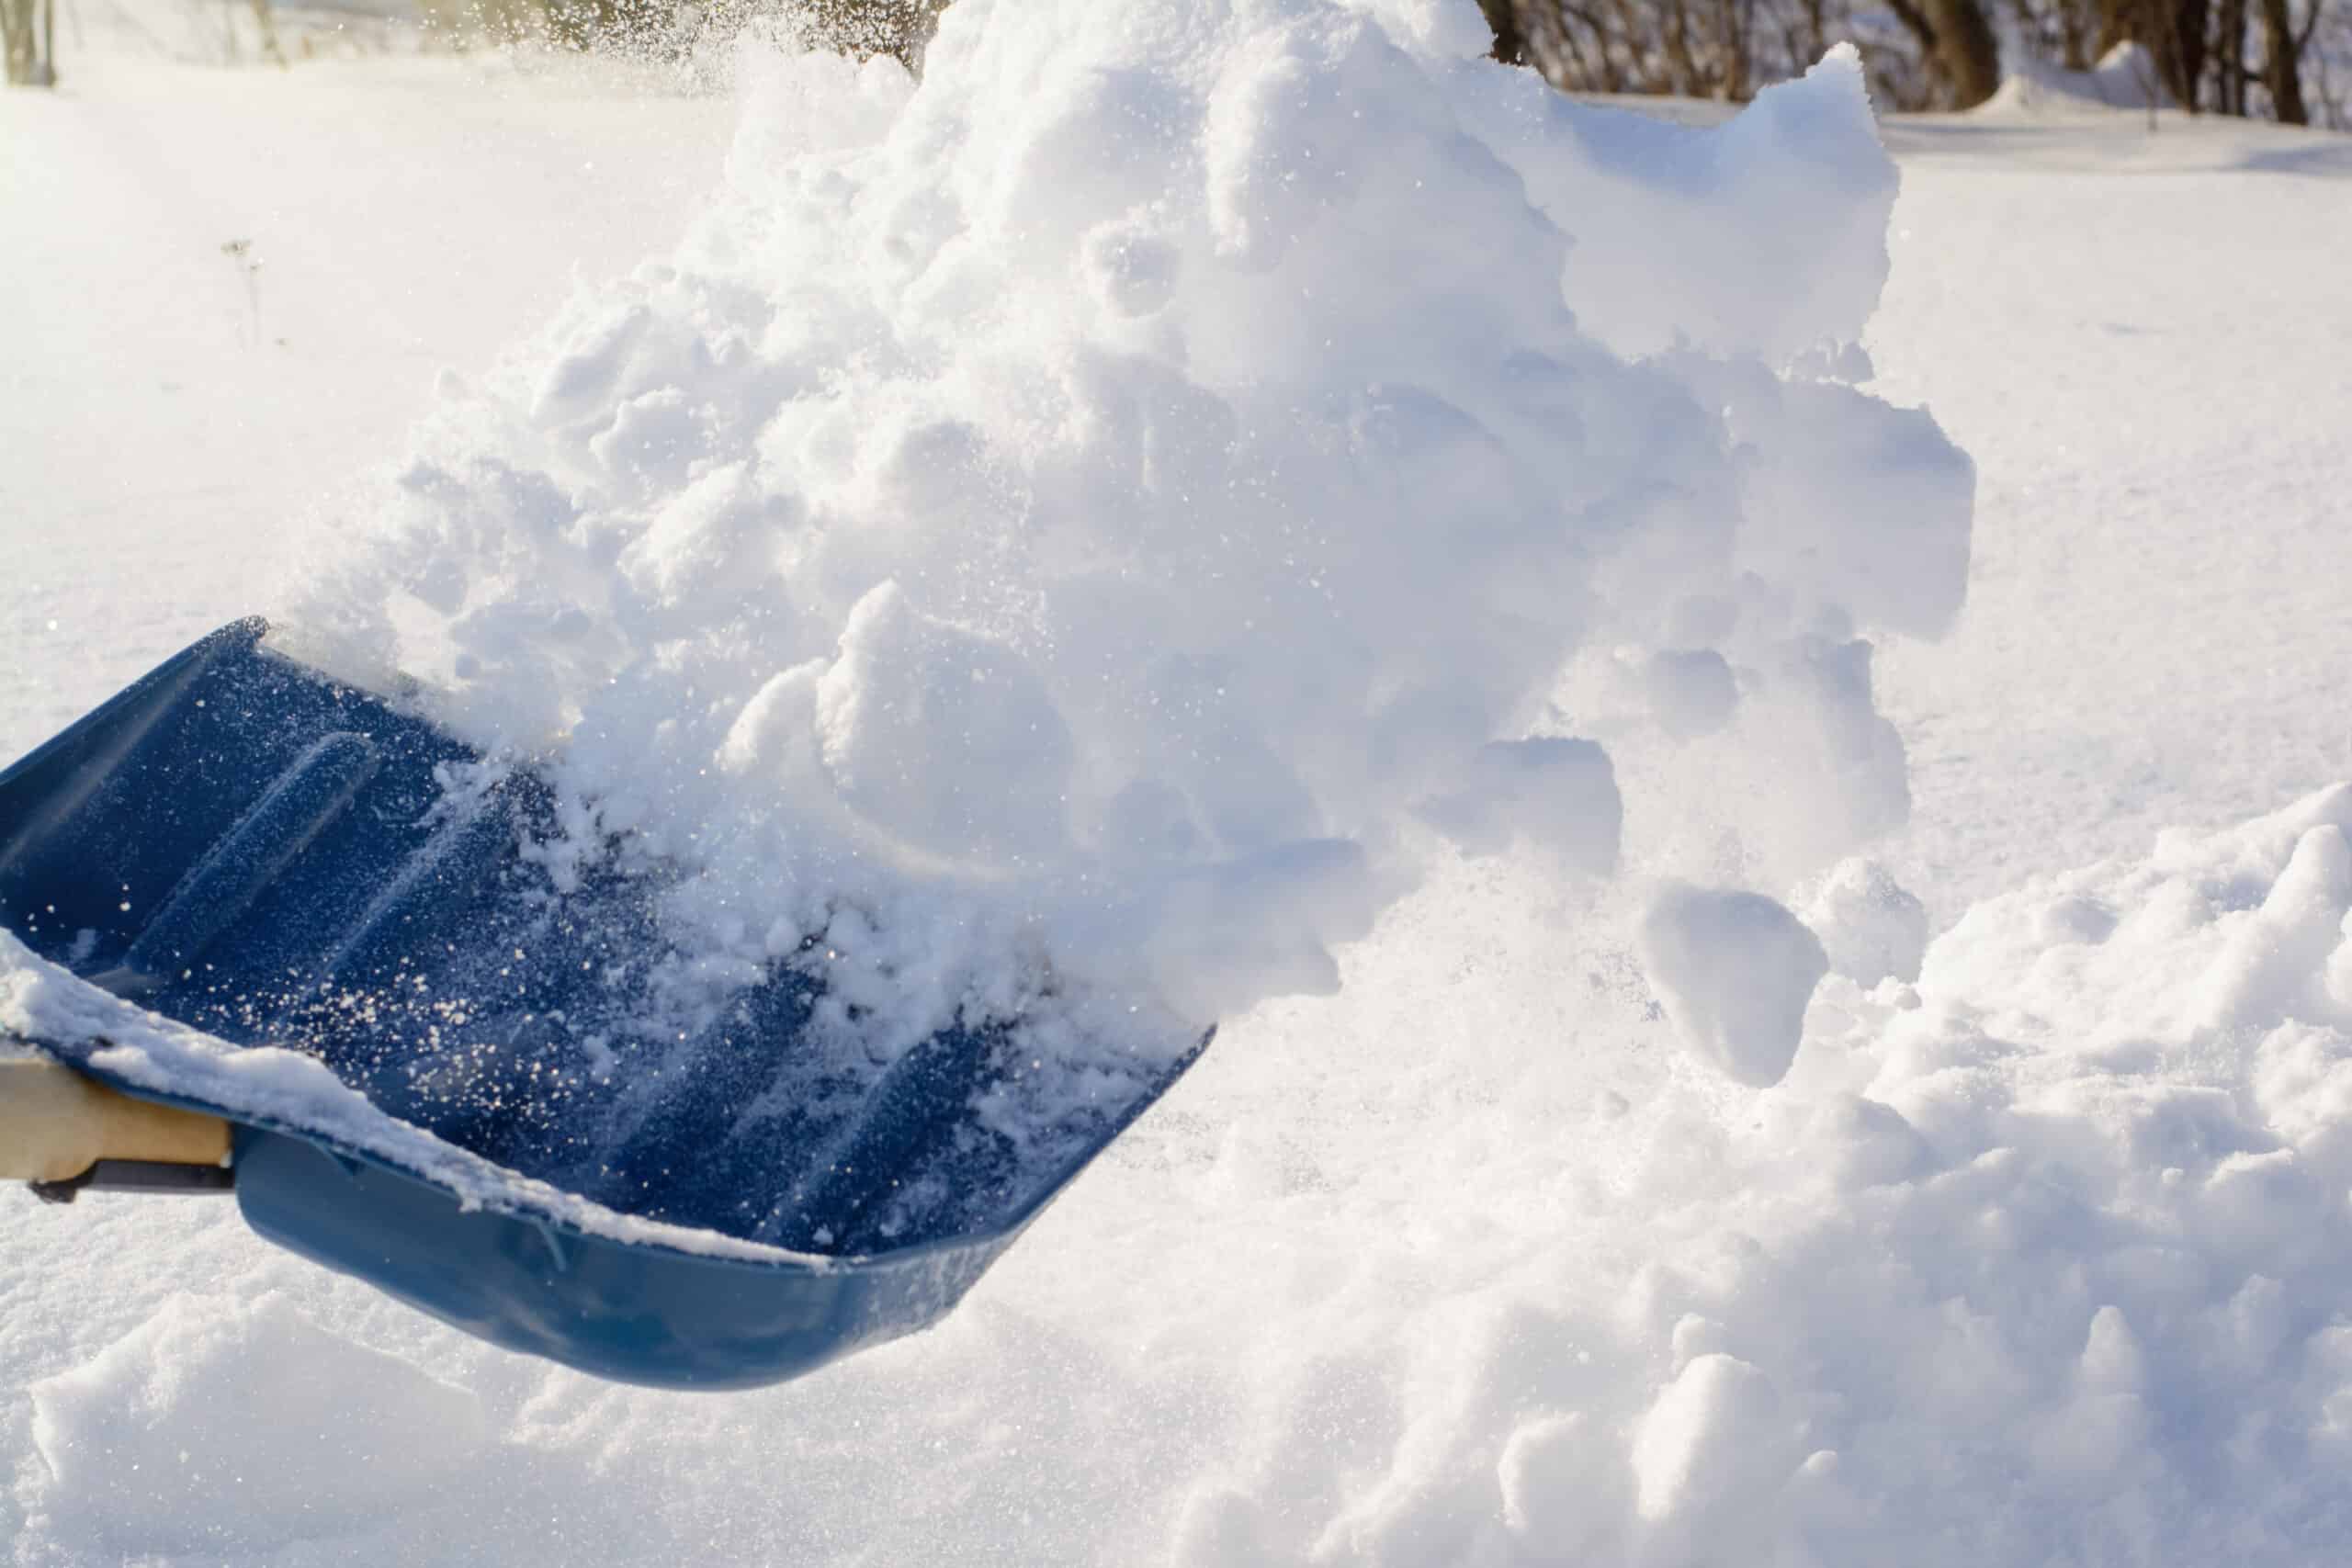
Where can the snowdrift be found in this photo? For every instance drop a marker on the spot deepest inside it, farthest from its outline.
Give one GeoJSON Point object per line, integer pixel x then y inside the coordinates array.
{"type": "Point", "coordinates": [2125, 78]}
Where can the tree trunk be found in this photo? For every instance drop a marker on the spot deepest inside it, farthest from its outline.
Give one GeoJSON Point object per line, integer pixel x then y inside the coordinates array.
{"type": "Point", "coordinates": [2072, 46]}
{"type": "Point", "coordinates": [2118, 20]}
{"type": "Point", "coordinates": [2282, 61]}
{"type": "Point", "coordinates": [1966, 51]}
{"type": "Point", "coordinates": [2189, 18]}
{"type": "Point", "coordinates": [16, 39]}
{"type": "Point", "coordinates": [1502, 20]}
{"type": "Point", "coordinates": [1732, 20]}
{"type": "Point", "coordinates": [2229, 57]}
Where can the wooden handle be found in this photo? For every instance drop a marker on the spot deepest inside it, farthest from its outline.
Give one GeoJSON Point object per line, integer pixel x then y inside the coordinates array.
{"type": "Point", "coordinates": [55, 1124]}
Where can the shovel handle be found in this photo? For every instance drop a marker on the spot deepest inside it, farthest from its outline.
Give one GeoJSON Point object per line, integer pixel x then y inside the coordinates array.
{"type": "Point", "coordinates": [56, 1125]}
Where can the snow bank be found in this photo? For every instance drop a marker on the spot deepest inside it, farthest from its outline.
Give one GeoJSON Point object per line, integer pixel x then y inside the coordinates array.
{"type": "Point", "coordinates": [1102, 519]}
{"type": "Point", "coordinates": [2126, 77]}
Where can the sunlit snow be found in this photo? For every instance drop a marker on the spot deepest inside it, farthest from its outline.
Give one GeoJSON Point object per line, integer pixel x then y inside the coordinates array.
{"type": "Point", "coordinates": [2028, 1243]}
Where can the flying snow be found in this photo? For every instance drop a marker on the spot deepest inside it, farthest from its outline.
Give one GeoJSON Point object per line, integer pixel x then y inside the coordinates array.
{"type": "Point", "coordinates": [1119, 510]}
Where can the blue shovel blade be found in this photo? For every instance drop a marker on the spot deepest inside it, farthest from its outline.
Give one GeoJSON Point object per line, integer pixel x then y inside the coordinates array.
{"type": "Point", "coordinates": [252, 849]}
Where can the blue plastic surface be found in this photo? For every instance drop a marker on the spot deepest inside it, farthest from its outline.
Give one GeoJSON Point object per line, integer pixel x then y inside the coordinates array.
{"type": "Point", "coordinates": [242, 845]}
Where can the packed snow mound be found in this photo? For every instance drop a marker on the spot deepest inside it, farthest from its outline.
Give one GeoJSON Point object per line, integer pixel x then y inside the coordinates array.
{"type": "Point", "coordinates": [2041, 1259]}
{"type": "Point", "coordinates": [2125, 78]}
{"type": "Point", "coordinates": [1102, 517]}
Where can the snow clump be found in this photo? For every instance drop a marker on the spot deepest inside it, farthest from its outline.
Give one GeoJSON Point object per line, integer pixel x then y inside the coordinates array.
{"type": "Point", "coordinates": [1734, 972]}
{"type": "Point", "coordinates": [1872, 926]}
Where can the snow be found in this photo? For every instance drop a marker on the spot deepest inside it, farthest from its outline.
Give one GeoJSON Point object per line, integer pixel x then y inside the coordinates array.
{"type": "Point", "coordinates": [180, 432]}
{"type": "Point", "coordinates": [191, 1399]}
{"type": "Point", "coordinates": [2176, 465]}
{"type": "Point", "coordinates": [1070, 530]}
{"type": "Point", "coordinates": [1764, 236]}
{"type": "Point", "coordinates": [1715, 1432]}
{"type": "Point", "coordinates": [1869, 923]}
{"type": "Point", "coordinates": [1734, 972]}
{"type": "Point", "coordinates": [267, 1087]}
{"type": "Point", "coordinates": [2038, 1256]}
{"type": "Point", "coordinates": [2126, 77]}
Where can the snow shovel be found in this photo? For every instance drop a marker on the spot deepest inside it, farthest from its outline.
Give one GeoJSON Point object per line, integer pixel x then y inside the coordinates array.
{"type": "Point", "coordinates": [262, 946]}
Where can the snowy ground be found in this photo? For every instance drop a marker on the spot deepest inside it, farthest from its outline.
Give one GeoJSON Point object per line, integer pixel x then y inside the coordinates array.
{"type": "Point", "coordinates": [2124, 329]}
{"type": "Point", "coordinates": [173, 415]}
{"type": "Point", "coordinates": [2039, 1262]}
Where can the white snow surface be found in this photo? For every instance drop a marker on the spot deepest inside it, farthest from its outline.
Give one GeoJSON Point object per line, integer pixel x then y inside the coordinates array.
{"type": "Point", "coordinates": [2039, 1259]}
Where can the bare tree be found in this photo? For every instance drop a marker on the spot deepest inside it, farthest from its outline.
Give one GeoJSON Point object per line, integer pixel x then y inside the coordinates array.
{"type": "Point", "coordinates": [2282, 60]}
{"type": "Point", "coordinates": [28, 41]}
{"type": "Point", "coordinates": [1502, 20]}
{"type": "Point", "coordinates": [2327, 89]}
{"type": "Point", "coordinates": [2201, 54]}
{"type": "Point", "coordinates": [2228, 73]}
{"type": "Point", "coordinates": [1944, 53]}
{"type": "Point", "coordinates": [1957, 43]}
{"type": "Point", "coordinates": [2199, 49]}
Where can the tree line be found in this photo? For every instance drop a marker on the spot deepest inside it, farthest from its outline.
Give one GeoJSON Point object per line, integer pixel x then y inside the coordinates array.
{"type": "Point", "coordinates": [2269, 59]}
{"type": "Point", "coordinates": [2284, 60]}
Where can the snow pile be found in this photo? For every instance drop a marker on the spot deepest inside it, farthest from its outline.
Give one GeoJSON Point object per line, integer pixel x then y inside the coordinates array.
{"type": "Point", "coordinates": [2126, 77]}
{"type": "Point", "coordinates": [1102, 519]}
{"type": "Point", "coordinates": [2039, 1260]}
